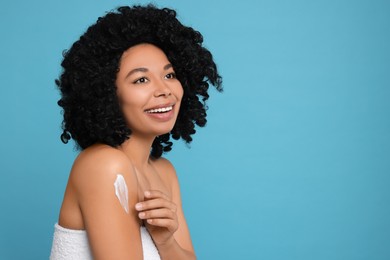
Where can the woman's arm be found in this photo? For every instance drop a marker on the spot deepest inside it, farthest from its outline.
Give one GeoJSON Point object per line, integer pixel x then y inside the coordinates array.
{"type": "Point", "coordinates": [168, 227]}
{"type": "Point", "coordinates": [113, 233]}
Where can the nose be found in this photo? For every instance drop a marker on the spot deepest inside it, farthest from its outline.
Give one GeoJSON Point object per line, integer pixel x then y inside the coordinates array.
{"type": "Point", "coordinates": [162, 89]}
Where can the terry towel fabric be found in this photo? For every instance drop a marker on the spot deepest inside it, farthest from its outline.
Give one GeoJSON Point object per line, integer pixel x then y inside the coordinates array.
{"type": "Point", "coordinates": [73, 244]}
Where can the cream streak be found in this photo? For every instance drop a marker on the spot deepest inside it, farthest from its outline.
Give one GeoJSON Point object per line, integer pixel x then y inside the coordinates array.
{"type": "Point", "coordinates": [121, 192]}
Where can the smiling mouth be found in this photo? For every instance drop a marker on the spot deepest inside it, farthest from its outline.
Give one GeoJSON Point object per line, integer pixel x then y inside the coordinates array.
{"type": "Point", "coordinates": [159, 110]}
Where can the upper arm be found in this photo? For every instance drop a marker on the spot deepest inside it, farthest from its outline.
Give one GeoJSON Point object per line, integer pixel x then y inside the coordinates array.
{"type": "Point", "coordinates": [112, 232]}
{"type": "Point", "coordinates": [182, 234]}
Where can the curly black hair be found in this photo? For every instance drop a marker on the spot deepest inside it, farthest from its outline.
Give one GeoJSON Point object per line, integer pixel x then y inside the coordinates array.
{"type": "Point", "coordinates": [91, 110]}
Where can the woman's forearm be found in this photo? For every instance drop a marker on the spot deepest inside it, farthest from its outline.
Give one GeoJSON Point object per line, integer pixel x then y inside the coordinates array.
{"type": "Point", "coordinates": [174, 251]}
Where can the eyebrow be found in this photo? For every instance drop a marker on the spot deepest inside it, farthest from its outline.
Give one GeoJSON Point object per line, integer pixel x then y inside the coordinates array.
{"type": "Point", "coordinates": [166, 67]}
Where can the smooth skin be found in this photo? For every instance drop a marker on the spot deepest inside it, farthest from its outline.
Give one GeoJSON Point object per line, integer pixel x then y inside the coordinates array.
{"type": "Point", "coordinates": [145, 81]}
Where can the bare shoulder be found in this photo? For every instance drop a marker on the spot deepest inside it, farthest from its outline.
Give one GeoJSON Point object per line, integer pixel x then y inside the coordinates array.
{"type": "Point", "coordinates": [98, 156]}
{"type": "Point", "coordinates": [166, 169]}
{"type": "Point", "coordinates": [100, 163]}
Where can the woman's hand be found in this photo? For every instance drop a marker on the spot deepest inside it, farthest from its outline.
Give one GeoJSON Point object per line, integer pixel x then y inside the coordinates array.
{"type": "Point", "coordinates": [160, 215]}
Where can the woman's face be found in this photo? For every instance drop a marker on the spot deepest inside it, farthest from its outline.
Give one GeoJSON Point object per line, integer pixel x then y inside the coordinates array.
{"type": "Point", "coordinates": [148, 90]}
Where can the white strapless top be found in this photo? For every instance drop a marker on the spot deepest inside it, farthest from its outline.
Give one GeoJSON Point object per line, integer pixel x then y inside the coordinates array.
{"type": "Point", "coordinates": [73, 244]}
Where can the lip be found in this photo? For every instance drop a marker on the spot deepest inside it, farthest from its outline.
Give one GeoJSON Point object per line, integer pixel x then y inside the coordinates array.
{"type": "Point", "coordinates": [161, 106]}
{"type": "Point", "coordinates": [162, 117]}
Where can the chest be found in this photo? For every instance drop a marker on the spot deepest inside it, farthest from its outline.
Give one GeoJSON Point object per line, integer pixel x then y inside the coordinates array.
{"type": "Point", "coordinates": [152, 180]}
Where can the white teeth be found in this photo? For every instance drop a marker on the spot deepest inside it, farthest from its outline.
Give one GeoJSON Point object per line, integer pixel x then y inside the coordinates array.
{"type": "Point", "coordinates": [159, 110]}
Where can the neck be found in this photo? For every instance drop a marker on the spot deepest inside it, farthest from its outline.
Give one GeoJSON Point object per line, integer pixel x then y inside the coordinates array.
{"type": "Point", "coordinates": [138, 150]}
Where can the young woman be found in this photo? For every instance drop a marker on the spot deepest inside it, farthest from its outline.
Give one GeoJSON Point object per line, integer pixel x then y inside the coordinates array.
{"type": "Point", "coordinates": [132, 81]}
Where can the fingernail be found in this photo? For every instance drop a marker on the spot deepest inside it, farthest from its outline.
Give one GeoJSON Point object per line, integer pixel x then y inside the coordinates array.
{"type": "Point", "coordinates": [141, 215]}
{"type": "Point", "coordinates": [147, 193]}
{"type": "Point", "coordinates": [138, 206]}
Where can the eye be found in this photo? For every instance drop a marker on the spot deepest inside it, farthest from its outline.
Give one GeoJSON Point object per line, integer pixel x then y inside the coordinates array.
{"type": "Point", "coordinates": [141, 80]}
{"type": "Point", "coordinates": [171, 75]}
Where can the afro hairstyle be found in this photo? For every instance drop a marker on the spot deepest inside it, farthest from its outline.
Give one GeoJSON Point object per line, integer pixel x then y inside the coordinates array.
{"type": "Point", "coordinates": [91, 111]}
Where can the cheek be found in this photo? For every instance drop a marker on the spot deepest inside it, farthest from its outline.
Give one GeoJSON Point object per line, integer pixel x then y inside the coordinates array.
{"type": "Point", "coordinates": [130, 105]}
{"type": "Point", "coordinates": [133, 97]}
{"type": "Point", "coordinates": [179, 96]}
{"type": "Point", "coordinates": [179, 92]}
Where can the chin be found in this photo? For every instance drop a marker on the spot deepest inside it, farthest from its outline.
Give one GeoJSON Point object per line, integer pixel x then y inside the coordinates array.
{"type": "Point", "coordinates": [163, 131]}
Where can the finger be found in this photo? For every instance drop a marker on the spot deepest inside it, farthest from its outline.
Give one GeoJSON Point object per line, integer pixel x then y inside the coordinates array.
{"type": "Point", "coordinates": [166, 223]}
{"type": "Point", "coordinates": [157, 213]}
{"type": "Point", "coordinates": [153, 194]}
{"type": "Point", "coordinates": [156, 204]}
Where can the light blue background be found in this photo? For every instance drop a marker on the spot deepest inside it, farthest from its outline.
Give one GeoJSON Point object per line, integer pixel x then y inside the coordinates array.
{"type": "Point", "coordinates": [294, 162]}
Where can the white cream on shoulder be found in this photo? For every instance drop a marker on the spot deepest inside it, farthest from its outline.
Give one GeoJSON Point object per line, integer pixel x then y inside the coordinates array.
{"type": "Point", "coordinates": [121, 192]}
